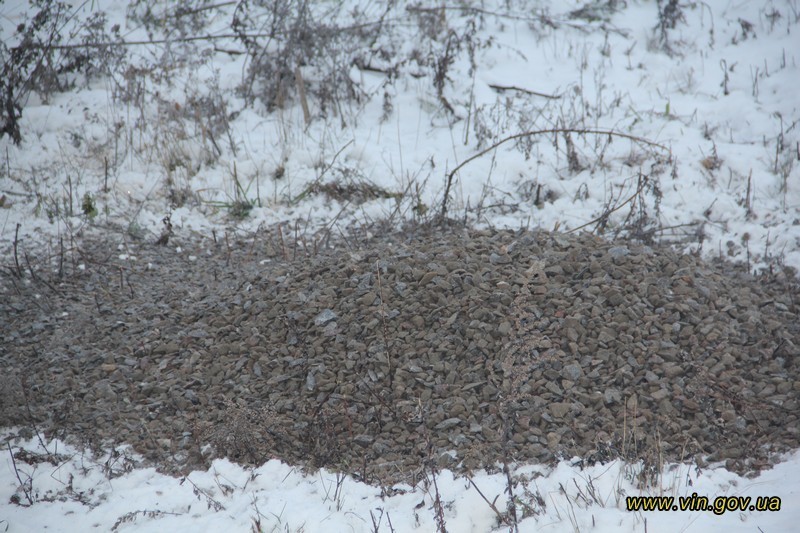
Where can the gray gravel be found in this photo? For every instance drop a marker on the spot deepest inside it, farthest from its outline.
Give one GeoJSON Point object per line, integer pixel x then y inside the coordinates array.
{"type": "Point", "coordinates": [452, 348]}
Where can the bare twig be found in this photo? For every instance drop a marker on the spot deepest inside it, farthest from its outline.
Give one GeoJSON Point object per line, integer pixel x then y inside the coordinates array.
{"type": "Point", "coordinates": [512, 506]}
{"type": "Point", "coordinates": [438, 508]}
{"type": "Point", "coordinates": [30, 414]}
{"type": "Point", "coordinates": [606, 213]}
{"type": "Point", "coordinates": [210, 500]}
{"type": "Point", "coordinates": [610, 133]}
{"type": "Point", "coordinates": [184, 13]}
{"type": "Point", "coordinates": [194, 38]}
{"type": "Point", "coordinates": [37, 278]}
{"type": "Point", "coordinates": [383, 318]}
{"type": "Point", "coordinates": [476, 10]}
{"type": "Point", "coordinates": [24, 486]}
{"type": "Point", "coordinates": [16, 258]}
{"type": "Point", "coordinates": [317, 181]}
{"type": "Point", "coordinates": [228, 249]}
{"type": "Point", "coordinates": [526, 91]}
{"type": "Point", "coordinates": [61, 257]}
{"type": "Point", "coordinates": [492, 506]}
{"type": "Point", "coordinates": [301, 91]}
{"type": "Point", "coordinates": [283, 244]}
{"type": "Point", "coordinates": [296, 238]}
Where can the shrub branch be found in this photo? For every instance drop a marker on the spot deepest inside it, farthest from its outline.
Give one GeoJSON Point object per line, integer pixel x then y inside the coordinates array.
{"type": "Point", "coordinates": [610, 133]}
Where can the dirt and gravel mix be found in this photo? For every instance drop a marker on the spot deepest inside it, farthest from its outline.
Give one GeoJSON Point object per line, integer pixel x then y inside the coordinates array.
{"type": "Point", "coordinates": [385, 356]}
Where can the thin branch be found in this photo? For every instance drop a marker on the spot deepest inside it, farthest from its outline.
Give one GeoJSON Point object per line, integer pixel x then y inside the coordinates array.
{"type": "Point", "coordinates": [30, 413]}
{"type": "Point", "coordinates": [193, 38]}
{"type": "Point", "coordinates": [22, 484]}
{"type": "Point", "coordinates": [476, 10]}
{"type": "Point", "coordinates": [37, 278]}
{"type": "Point", "coordinates": [181, 13]}
{"type": "Point", "coordinates": [610, 133]}
{"type": "Point", "coordinates": [383, 318]}
{"type": "Point", "coordinates": [500, 516]}
{"type": "Point", "coordinates": [145, 42]}
{"type": "Point", "coordinates": [606, 213]}
{"type": "Point", "coordinates": [317, 181]}
{"type": "Point", "coordinates": [526, 91]}
{"type": "Point", "coordinates": [16, 257]}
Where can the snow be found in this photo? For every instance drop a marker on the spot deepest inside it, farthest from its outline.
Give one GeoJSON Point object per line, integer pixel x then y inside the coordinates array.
{"type": "Point", "coordinates": [725, 105]}
{"type": "Point", "coordinates": [81, 492]}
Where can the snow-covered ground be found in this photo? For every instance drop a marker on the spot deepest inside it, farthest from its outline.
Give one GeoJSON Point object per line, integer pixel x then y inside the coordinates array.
{"type": "Point", "coordinates": [677, 121]}
{"type": "Point", "coordinates": [79, 492]}
{"type": "Point", "coordinates": [703, 119]}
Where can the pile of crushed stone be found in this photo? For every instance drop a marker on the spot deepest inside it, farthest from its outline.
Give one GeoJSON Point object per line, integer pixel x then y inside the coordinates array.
{"type": "Point", "coordinates": [386, 356]}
